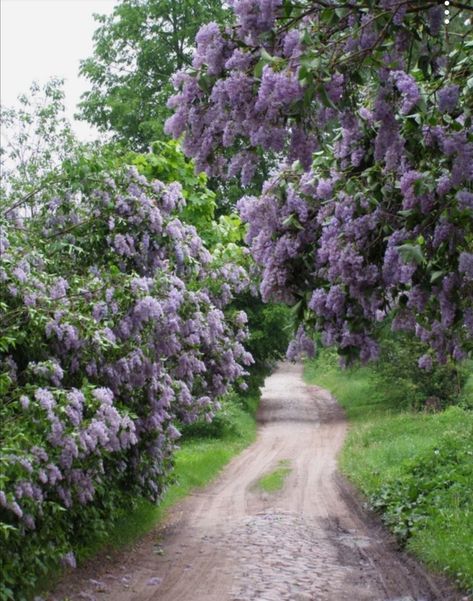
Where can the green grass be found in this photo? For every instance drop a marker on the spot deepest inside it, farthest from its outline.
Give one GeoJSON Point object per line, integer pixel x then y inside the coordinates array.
{"type": "Point", "coordinates": [197, 463]}
{"type": "Point", "coordinates": [274, 481]}
{"type": "Point", "coordinates": [416, 468]}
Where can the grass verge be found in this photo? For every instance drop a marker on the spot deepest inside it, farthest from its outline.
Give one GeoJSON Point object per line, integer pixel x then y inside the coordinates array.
{"type": "Point", "coordinates": [197, 462]}
{"type": "Point", "coordinates": [274, 480]}
{"type": "Point", "coordinates": [415, 468]}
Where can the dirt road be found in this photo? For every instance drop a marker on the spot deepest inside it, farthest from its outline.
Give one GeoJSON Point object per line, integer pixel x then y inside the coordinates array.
{"type": "Point", "coordinates": [310, 541]}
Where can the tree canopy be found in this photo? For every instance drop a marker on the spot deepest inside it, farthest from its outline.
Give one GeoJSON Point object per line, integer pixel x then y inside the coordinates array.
{"type": "Point", "coordinates": [137, 49]}
{"type": "Point", "coordinates": [36, 138]}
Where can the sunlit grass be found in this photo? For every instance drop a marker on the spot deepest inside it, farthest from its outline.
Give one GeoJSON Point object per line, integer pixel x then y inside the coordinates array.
{"type": "Point", "coordinates": [390, 448]}
{"type": "Point", "coordinates": [197, 463]}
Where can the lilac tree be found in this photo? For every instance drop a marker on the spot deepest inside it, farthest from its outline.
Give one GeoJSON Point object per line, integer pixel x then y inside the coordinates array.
{"type": "Point", "coordinates": [116, 329]}
{"type": "Point", "coordinates": [367, 106]}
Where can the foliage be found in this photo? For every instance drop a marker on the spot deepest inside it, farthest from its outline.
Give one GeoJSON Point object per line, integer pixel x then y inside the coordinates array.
{"type": "Point", "coordinates": [137, 49]}
{"type": "Point", "coordinates": [397, 368]}
{"type": "Point", "coordinates": [36, 139]}
{"type": "Point", "coordinates": [414, 467]}
{"type": "Point", "coordinates": [396, 380]}
{"type": "Point", "coordinates": [113, 334]}
{"type": "Point", "coordinates": [167, 163]}
{"type": "Point", "coordinates": [408, 501]}
{"type": "Point", "coordinates": [226, 422]}
{"type": "Point", "coordinates": [269, 329]}
{"type": "Point", "coordinates": [369, 215]}
{"type": "Point", "coordinates": [466, 397]}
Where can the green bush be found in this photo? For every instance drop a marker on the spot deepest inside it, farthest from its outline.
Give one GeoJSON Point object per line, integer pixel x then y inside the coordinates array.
{"type": "Point", "coordinates": [411, 385]}
{"type": "Point", "coordinates": [466, 397]}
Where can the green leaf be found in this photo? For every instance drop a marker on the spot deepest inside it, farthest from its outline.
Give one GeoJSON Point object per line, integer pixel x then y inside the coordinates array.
{"type": "Point", "coordinates": [436, 275]}
{"type": "Point", "coordinates": [411, 253]}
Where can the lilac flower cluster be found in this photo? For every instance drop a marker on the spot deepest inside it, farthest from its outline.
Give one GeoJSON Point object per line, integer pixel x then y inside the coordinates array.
{"type": "Point", "coordinates": [128, 337]}
{"type": "Point", "coordinates": [233, 113]}
{"type": "Point", "coordinates": [375, 222]}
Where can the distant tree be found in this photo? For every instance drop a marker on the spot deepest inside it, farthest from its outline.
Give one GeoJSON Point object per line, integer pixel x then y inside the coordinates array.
{"type": "Point", "coordinates": [137, 49]}
{"type": "Point", "coordinates": [36, 138]}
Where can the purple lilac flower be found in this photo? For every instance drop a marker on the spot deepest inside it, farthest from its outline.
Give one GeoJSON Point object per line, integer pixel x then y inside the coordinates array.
{"type": "Point", "coordinates": [255, 16]}
{"type": "Point", "coordinates": [16, 509]}
{"type": "Point", "coordinates": [465, 264]}
{"type": "Point", "coordinates": [435, 19]}
{"type": "Point", "coordinates": [210, 49]}
{"type": "Point", "coordinates": [425, 362]}
{"type": "Point", "coordinates": [408, 88]}
{"type": "Point", "coordinates": [20, 274]}
{"type": "Point", "coordinates": [45, 399]}
{"type": "Point", "coordinates": [448, 98]}
{"type": "Point", "coordinates": [59, 288]}
{"type": "Point", "coordinates": [300, 345]}
{"type": "Point", "coordinates": [407, 183]}
{"type": "Point", "coordinates": [103, 395]}
{"type": "Point", "coordinates": [69, 560]}
{"type": "Point", "coordinates": [465, 199]}
{"type": "Point", "coordinates": [173, 432]}
{"type": "Point", "coordinates": [24, 401]}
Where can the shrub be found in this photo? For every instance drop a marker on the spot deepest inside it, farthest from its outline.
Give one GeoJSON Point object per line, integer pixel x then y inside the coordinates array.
{"type": "Point", "coordinates": [116, 329]}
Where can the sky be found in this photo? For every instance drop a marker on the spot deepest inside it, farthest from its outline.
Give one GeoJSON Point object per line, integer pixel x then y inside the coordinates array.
{"type": "Point", "coordinates": [45, 38]}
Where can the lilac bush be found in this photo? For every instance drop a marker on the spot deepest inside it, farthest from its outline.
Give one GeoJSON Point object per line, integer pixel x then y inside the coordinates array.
{"type": "Point", "coordinates": [116, 329]}
{"type": "Point", "coordinates": [367, 108]}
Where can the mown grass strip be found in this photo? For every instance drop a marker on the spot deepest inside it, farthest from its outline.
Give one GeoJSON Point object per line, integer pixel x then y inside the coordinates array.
{"type": "Point", "coordinates": [274, 481]}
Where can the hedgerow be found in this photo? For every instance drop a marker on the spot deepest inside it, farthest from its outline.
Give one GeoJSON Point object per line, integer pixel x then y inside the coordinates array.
{"type": "Point", "coordinates": [116, 329]}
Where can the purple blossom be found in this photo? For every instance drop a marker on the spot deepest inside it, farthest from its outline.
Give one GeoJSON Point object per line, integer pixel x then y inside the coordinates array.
{"type": "Point", "coordinates": [24, 401]}
{"type": "Point", "coordinates": [124, 245]}
{"type": "Point", "coordinates": [255, 16]}
{"type": "Point", "coordinates": [173, 432]}
{"type": "Point", "coordinates": [103, 395]}
{"type": "Point", "coordinates": [448, 98]}
{"type": "Point", "coordinates": [465, 199]}
{"type": "Point", "coordinates": [69, 560]}
{"type": "Point", "coordinates": [148, 308]}
{"type": "Point", "coordinates": [210, 50]}
{"type": "Point", "coordinates": [407, 185]}
{"type": "Point", "coordinates": [20, 274]}
{"type": "Point", "coordinates": [16, 509]}
{"type": "Point", "coordinates": [465, 264]}
{"type": "Point", "coordinates": [425, 362]}
{"type": "Point", "coordinates": [45, 399]}
{"type": "Point", "coordinates": [435, 19]}
{"type": "Point", "coordinates": [300, 345]}
{"type": "Point", "coordinates": [292, 46]}
{"type": "Point", "coordinates": [408, 88]}
{"type": "Point", "coordinates": [325, 189]}
{"type": "Point", "coordinates": [59, 288]}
